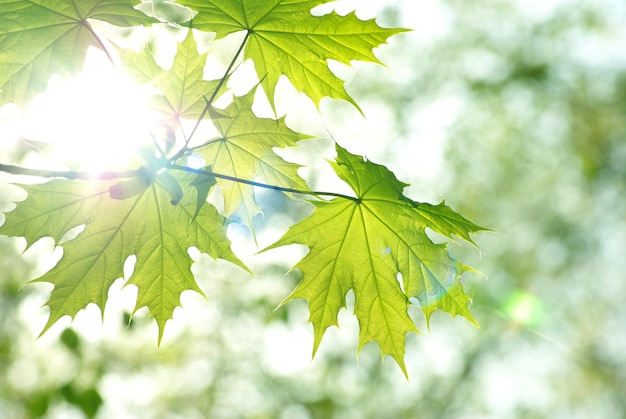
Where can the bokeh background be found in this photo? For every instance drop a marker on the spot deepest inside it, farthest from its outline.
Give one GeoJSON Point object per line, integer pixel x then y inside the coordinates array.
{"type": "Point", "coordinates": [515, 113]}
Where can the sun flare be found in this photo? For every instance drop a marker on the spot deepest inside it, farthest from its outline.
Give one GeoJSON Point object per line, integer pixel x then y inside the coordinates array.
{"type": "Point", "coordinates": [94, 121]}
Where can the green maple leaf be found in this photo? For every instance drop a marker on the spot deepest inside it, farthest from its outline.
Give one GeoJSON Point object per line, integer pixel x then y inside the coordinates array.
{"type": "Point", "coordinates": [364, 243]}
{"type": "Point", "coordinates": [285, 39]}
{"type": "Point", "coordinates": [245, 151]}
{"type": "Point", "coordinates": [39, 38]}
{"type": "Point", "coordinates": [139, 225]}
{"type": "Point", "coordinates": [183, 87]}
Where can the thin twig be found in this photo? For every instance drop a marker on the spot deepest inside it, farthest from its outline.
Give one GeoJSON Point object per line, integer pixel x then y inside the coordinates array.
{"type": "Point", "coordinates": [69, 174]}
{"type": "Point", "coordinates": [124, 174]}
{"type": "Point", "coordinates": [209, 102]}
{"type": "Point", "coordinates": [261, 185]}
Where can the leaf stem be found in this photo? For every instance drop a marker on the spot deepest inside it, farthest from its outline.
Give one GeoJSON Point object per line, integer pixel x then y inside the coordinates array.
{"type": "Point", "coordinates": [261, 185]}
{"type": "Point", "coordinates": [209, 102]}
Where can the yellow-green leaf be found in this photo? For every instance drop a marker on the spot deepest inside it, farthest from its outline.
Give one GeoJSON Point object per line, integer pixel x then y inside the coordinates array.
{"type": "Point", "coordinates": [183, 89]}
{"type": "Point", "coordinates": [39, 38]}
{"type": "Point", "coordinates": [142, 225]}
{"type": "Point", "coordinates": [284, 38]}
{"type": "Point", "coordinates": [245, 151]}
{"type": "Point", "coordinates": [363, 244]}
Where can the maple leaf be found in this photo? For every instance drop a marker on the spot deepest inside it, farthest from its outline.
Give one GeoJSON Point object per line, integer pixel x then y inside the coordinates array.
{"type": "Point", "coordinates": [284, 38]}
{"type": "Point", "coordinates": [139, 225]}
{"type": "Point", "coordinates": [57, 35]}
{"type": "Point", "coordinates": [363, 244]}
{"type": "Point", "coordinates": [245, 151]}
{"type": "Point", "coordinates": [183, 87]}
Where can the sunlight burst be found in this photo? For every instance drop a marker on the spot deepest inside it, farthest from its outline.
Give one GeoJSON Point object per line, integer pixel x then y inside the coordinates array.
{"type": "Point", "coordinates": [93, 122]}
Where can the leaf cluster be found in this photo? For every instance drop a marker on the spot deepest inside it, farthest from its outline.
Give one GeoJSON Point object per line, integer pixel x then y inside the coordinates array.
{"type": "Point", "coordinates": [373, 242]}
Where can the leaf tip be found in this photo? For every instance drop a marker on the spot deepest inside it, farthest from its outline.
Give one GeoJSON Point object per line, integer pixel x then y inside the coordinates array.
{"type": "Point", "coordinates": [316, 344]}
{"type": "Point", "coordinates": [52, 319]}
{"type": "Point", "coordinates": [161, 326]}
{"type": "Point", "coordinates": [400, 362]}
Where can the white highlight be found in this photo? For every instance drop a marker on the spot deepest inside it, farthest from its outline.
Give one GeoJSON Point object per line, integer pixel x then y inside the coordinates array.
{"type": "Point", "coordinates": [94, 121]}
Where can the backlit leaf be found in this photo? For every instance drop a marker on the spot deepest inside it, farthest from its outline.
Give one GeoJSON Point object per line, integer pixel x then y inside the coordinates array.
{"type": "Point", "coordinates": [183, 89]}
{"type": "Point", "coordinates": [245, 150]}
{"type": "Point", "coordinates": [142, 225]}
{"type": "Point", "coordinates": [284, 38]}
{"type": "Point", "coordinates": [363, 244]}
{"type": "Point", "coordinates": [39, 38]}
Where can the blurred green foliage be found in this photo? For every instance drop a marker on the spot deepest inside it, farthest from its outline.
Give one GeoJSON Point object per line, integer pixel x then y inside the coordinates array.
{"type": "Point", "coordinates": [534, 146]}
